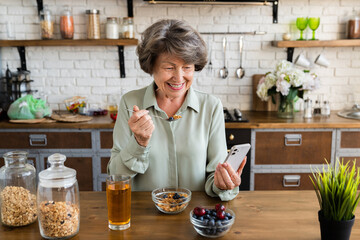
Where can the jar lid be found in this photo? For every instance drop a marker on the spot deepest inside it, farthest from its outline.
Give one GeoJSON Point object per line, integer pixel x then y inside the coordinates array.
{"type": "Point", "coordinates": [57, 174]}
{"type": "Point", "coordinates": [112, 18]}
{"type": "Point", "coordinates": [92, 11]}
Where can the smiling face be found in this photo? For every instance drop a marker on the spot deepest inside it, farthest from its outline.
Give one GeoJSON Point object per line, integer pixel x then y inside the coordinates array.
{"type": "Point", "coordinates": [172, 76]}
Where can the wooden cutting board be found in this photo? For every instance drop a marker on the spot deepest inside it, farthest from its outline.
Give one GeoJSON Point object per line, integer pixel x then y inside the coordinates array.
{"type": "Point", "coordinates": [258, 104]}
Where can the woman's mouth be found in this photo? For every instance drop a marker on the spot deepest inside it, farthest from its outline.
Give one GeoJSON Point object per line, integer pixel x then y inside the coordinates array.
{"type": "Point", "coordinates": [176, 86]}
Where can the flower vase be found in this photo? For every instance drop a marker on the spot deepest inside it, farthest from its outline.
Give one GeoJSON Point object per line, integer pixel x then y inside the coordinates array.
{"type": "Point", "coordinates": [286, 107]}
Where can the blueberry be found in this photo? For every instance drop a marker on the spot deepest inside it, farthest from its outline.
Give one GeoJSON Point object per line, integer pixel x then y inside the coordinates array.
{"type": "Point", "coordinates": [207, 211]}
{"type": "Point", "coordinates": [218, 223]}
{"type": "Point", "coordinates": [165, 196]}
{"type": "Point", "coordinates": [226, 219]}
{"type": "Point", "coordinates": [212, 231]}
{"type": "Point", "coordinates": [207, 216]}
{"type": "Point", "coordinates": [176, 196]}
{"type": "Point", "coordinates": [213, 213]}
{"type": "Point", "coordinates": [206, 221]}
{"type": "Point", "coordinates": [201, 218]}
{"type": "Point", "coordinates": [194, 216]}
{"type": "Point", "coordinates": [212, 223]}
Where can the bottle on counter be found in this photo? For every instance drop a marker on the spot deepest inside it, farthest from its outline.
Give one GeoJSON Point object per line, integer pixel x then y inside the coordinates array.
{"type": "Point", "coordinates": [93, 24]}
{"type": "Point", "coordinates": [46, 23]}
{"type": "Point", "coordinates": [17, 190]}
{"type": "Point", "coordinates": [325, 111]}
{"type": "Point", "coordinates": [66, 24]}
{"type": "Point", "coordinates": [112, 28]}
{"type": "Point", "coordinates": [58, 200]}
{"type": "Point", "coordinates": [307, 108]}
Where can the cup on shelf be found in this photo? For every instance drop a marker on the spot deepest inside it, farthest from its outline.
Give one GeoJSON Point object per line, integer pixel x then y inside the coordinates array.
{"type": "Point", "coordinates": [302, 61]}
{"type": "Point", "coordinates": [322, 60]}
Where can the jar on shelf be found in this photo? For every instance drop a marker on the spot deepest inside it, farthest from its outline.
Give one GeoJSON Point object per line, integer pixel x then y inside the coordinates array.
{"type": "Point", "coordinates": [67, 24]}
{"type": "Point", "coordinates": [353, 27]}
{"type": "Point", "coordinates": [58, 200]}
{"type": "Point", "coordinates": [46, 23]}
{"type": "Point", "coordinates": [121, 28]}
{"type": "Point", "coordinates": [93, 24]}
{"type": "Point", "coordinates": [17, 190]}
{"type": "Point", "coordinates": [112, 28]}
{"type": "Point", "coordinates": [128, 27]}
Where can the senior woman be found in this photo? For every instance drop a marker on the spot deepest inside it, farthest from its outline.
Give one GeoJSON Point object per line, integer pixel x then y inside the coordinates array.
{"type": "Point", "coordinates": [188, 152]}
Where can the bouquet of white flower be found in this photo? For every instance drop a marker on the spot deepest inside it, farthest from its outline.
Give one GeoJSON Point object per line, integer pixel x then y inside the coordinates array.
{"type": "Point", "coordinates": [289, 82]}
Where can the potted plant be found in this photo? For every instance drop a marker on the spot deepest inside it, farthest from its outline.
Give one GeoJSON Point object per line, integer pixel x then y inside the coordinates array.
{"type": "Point", "coordinates": [337, 191]}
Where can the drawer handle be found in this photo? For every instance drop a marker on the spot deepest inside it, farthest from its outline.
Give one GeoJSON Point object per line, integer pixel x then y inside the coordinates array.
{"type": "Point", "coordinates": [293, 139]}
{"type": "Point", "coordinates": [291, 181]}
{"type": "Point", "coordinates": [38, 140]}
{"type": "Point", "coordinates": [231, 137]}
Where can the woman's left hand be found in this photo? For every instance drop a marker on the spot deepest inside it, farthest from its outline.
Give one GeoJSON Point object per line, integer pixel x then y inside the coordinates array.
{"type": "Point", "coordinates": [226, 178]}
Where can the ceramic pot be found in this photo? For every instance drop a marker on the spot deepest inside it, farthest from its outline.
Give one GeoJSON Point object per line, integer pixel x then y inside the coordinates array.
{"type": "Point", "coordinates": [335, 230]}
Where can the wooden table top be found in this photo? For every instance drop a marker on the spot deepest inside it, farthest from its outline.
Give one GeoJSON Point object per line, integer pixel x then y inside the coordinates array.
{"type": "Point", "coordinates": [260, 215]}
{"type": "Point", "coordinates": [256, 120]}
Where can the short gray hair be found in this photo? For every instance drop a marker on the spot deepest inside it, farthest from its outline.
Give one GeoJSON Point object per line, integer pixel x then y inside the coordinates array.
{"type": "Point", "coordinates": [173, 37]}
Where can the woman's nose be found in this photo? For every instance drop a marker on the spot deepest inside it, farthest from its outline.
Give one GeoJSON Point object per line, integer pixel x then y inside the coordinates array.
{"type": "Point", "coordinates": [179, 74]}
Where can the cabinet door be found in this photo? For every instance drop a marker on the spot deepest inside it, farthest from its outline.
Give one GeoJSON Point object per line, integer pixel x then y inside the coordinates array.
{"type": "Point", "coordinates": [84, 171]}
{"type": "Point", "coordinates": [45, 140]}
{"type": "Point", "coordinates": [283, 181]}
{"type": "Point", "coordinates": [106, 140]}
{"type": "Point", "coordinates": [293, 147]}
{"type": "Point", "coordinates": [350, 139]}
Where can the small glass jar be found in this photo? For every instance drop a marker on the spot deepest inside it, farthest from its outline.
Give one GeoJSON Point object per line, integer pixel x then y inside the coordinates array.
{"type": "Point", "coordinates": [46, 23]}
{"type": "Point", "coordinates": [67, 24]}
{"type": "Point", "coordinates": [353, 27]}
{"type": "Point", "coordinates": [128, 25]}
{"type": "Point", "coordinates": [325, 111]}
{"type": "Point", "coordinates": [58, 200]}
{"type": "Point", "coordinates": [307, 108]}
{"type": "Point", "coordinates": [121, 28]}
{"type": "Point", "coordinates": [93, 24]}
{"type": "Point", "coordinates": [112, 28]}
{"type": "Point", "coordinates": [317, 108]}
{"type": "Point", "coordinates": [17, 190]}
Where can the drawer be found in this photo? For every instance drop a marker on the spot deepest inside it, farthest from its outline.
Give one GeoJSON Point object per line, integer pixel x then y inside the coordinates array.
{"type": "Point", "coordinates": [106, 140]}
{"type": "Point", "coordinates": [84, 172]}
{"type": "Point", "coordinates": [104, 163]}
{"type": "Point", "coordinates": [292, 147]}
{"type": "Point", "coordinates": [283, 181]}
{"type": "Point", "coordinates": [350, 139]}
{"type": "Point", "coordinates": [44, 140]}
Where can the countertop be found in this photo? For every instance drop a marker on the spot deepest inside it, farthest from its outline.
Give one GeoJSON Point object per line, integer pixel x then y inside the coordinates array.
{"type": "Point", "coordinates": [260, 215]}
{"type": "Point", "coordinates": [256, 120]}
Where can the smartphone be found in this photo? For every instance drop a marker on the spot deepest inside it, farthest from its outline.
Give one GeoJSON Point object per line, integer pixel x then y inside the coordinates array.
{"type": "Point", "coordinates": [237, 154]}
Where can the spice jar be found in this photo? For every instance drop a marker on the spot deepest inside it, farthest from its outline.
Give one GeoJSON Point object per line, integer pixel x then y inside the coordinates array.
{"type": "Point", "coordinates": [353, 27]}
{"type": "Point", "coordinates": [128, 27]}
{"type": "Point", "coordinates": [67, 24]}
{"type": "Point", "coordinates": [46, 23]}
{"type": "Point", "coordinates": [325, 111]}
{"type": "Point", "coordinates": [121, 28]}
{"type": "Point", "coordinates": [17, 190]}
{"type": "Point", "coordinates": [58, 200]}
{"type": "Point", "coordinates": [307, 108]}
{"type": "Point", "coordinates": [112, 28]}
{"type": "Point", "coordinates": [93, 24]}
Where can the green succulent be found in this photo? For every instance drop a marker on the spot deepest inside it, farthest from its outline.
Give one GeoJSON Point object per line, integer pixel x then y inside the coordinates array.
{"type": "Point", "coordinates": [337, 190]}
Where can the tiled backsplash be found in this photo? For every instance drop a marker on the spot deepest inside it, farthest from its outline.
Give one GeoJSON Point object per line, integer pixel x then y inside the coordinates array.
{"type": "Point", "coordinates": [62, 72]}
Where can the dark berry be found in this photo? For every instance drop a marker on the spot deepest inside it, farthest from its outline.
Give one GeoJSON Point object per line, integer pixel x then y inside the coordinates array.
{"type": "Point", "coordinates": [165, 196]}
{"type": "Point", "coordinates": [218, 223]}
{"type": "Point", "coordinates": [201, 218]}
{"type": "Point", "coordinates": [219, 207]}
{"type": "Point", "coordinates": [176, 196]}
{"type": "Point", "coordinates": [199, 211]}
{"type": "Point", "coordinates": [212, 223]}
{"type": "Point", "coordinates": [220, 215]}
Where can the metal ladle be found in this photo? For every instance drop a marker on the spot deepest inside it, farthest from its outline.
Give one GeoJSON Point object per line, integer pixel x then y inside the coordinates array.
{"type": "Point", "coordinates": [240, 72]}
{"type": "Point", "coordinates": [224, 71]}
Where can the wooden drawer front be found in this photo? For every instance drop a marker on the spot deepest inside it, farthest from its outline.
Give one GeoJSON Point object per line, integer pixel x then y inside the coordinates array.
{"type": "Point", "coordinates": [84, 173]}
{"type": "Point", "coordinates": [30, 160]}
{"type": "Point", "coordinates": [275, 181]}
{"type": "Point", "coordinates": [55, 140]}
{"type": "Point", "coordinates": [106, 140]}
{"type": "Point", "coordinates": [104, 163]}
{"type": "Point", "coordinates": [350, 140]}
{"type": "Point", "coordinates": [347, 159]}
{"type": "Point", "coordinates": [313, 148]}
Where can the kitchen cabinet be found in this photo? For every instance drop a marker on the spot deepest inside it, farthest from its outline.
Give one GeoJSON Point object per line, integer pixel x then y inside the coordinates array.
{"type": "Point", "coordinates": [282, 158]}
{"type": "Point", "coordinates": [348, 145]}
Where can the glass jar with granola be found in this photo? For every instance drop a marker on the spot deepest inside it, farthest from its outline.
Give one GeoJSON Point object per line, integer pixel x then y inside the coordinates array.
{"type": "Point", "coordinates": [58, 200]}
{"type": "Point", "coordinates": [46, 23]}
{"type": "Point", "coordinates": [17, 190]}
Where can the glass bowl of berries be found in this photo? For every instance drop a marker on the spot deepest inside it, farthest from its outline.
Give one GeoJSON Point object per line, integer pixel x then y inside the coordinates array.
{"type": "Point", "coordinates": [171, 200]}
{"type": "Point", "coordinates": [212, 222]}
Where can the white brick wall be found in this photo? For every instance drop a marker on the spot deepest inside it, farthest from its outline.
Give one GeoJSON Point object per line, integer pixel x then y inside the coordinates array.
{"type": "Point", "coordinates": [62, 72]}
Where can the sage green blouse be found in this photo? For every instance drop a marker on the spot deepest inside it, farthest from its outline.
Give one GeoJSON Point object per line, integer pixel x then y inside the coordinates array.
{"type": "Point", "coordinates": [181, 153]}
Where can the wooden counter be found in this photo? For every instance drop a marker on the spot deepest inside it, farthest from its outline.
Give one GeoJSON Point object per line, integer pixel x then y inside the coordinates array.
{"type": "Point", "coordinates": [260, 215]}
{"type": "Point", "coordinates": [256, 120]}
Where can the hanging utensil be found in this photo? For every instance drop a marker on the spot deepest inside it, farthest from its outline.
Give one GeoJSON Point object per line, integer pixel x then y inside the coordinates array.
{"type": "Point", "coordinates": [240, 72]}
{"type": "Point", "coordinates": [210, 65]}
{"type": "Point", "coordinates": [224, 71]}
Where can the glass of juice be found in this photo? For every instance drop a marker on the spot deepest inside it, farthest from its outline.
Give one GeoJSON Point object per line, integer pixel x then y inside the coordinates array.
{"type": "Point", "coordinates": [118, 195]}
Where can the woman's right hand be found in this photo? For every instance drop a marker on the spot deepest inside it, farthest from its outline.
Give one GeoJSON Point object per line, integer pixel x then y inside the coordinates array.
{"type": "Point", "coordinates": [141, 125]}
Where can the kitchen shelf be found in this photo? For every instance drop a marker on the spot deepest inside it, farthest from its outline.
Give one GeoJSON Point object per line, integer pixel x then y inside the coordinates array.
{"type": "Point", "coordinates": [290, 45]}
{"type": "Point", "coordinates": [120, 43]}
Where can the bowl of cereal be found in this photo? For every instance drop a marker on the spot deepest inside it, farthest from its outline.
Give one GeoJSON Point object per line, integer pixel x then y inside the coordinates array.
{"type": "Point", "coordinates": [171, 200]}
{"type": "Point", "coordinates": [212, 222]}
